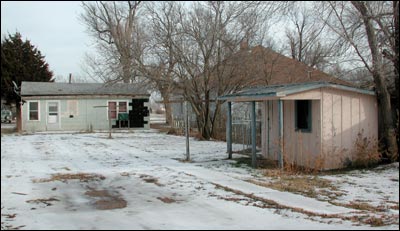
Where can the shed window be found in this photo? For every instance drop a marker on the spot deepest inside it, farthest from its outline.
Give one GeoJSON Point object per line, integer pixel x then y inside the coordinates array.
{"type": "Point", "coordinates": [303, 115]}
{"type": "Point", "coordinates": [33, 111]}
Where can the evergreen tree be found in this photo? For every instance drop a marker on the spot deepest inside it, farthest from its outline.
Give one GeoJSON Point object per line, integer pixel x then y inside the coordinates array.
{"type": "Point", "coordinates": [20, 61]}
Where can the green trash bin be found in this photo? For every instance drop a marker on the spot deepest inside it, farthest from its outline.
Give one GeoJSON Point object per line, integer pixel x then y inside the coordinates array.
{"type": "Point", "coordinates": [123, 116]}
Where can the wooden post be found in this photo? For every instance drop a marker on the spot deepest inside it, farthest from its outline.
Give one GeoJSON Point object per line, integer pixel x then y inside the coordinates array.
{"type": "Point", "coordinates": [280, 118]}
{"type": "Point", "coordinates": [109, 122]}
{"type": "Point", "coordinates": [253, 135]}
{"type": "Point", "coordinates": [229, 130]}
{"type": "Point", "coordinates": [187, 131]}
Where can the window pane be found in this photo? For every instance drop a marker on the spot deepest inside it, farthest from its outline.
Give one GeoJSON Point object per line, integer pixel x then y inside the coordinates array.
{"type": "Point", "coordinates": [33, 111]}
{"type": "Point", "coordinates": [112, 106]}
{"type": "Point", "coordinates": [33, 115]}
{"type": "Point", "coordinates": [122, 106]}
{"type": "Point", "coordinates": [33, 106]}
{"type": "Point", "coordinates": [52, 108]}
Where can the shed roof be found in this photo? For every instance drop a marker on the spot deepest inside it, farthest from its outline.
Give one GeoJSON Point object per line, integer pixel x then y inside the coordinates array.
{"type": "Point", "coordinates": [282, 90]}
{"type": "Point", "coordinates": [59, 89]}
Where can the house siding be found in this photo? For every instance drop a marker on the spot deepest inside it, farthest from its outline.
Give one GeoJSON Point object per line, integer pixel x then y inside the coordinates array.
{"type": "Point", "coordinates": [91, 114]}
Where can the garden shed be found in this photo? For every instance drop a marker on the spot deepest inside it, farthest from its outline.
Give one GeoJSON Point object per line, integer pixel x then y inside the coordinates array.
{"type": "Point", "coordinates": [50, 106]}
{"type": "Point", "coordinates": [316, 125]}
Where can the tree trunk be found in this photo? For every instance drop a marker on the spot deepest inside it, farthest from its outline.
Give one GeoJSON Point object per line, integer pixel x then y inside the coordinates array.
{"type": "Point", "coordinates": [389, 134]}
{"type": "Point", "coordinates": [202, 118]}
{"type": "Point", "coordinates": [167, 105]}
{"type": "Point", "coordinates": [126, 71]}
{"type": "Point", "coordinates": [18, 116]}
{"type": "Point", "coordinates": [396, 66]}
{"type": "Point", "coordinates": [205, 128]}
{"type": "Point", "coordinates": [216, 121]}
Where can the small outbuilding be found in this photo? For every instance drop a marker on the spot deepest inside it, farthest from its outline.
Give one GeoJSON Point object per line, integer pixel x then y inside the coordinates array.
{"type": "Point", "coordinates": [316, 125]}
{"type": "Point", "coordinates": [51, 106]}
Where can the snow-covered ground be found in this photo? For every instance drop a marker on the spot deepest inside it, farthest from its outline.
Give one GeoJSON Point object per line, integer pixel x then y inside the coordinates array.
{"type": "Point", "coordinates": [138, 180]}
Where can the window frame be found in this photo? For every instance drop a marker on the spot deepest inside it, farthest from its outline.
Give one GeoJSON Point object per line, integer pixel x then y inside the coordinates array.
{"type": "Point", "coordinates": [308, 119]}
{"type": "Point", "coordinates": [29, 110]}
{"type": "Point", "coordinates": [117, 107]}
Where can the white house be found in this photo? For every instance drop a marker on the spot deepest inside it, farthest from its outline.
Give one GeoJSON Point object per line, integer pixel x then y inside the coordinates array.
{"type": "Point", "coordinates": [50, 106]}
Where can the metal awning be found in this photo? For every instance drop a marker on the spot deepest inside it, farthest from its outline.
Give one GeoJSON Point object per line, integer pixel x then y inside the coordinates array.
{"type": "Point", "coordinates": [270, 92]}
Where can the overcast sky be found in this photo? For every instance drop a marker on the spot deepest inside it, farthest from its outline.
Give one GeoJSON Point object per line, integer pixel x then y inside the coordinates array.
{"type": "Point", "coordinates": [54, 28]}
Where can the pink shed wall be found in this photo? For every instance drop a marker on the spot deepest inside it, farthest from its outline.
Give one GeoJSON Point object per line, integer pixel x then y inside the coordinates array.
{"type": "Point", "coordinates": [337, 118]}
{"type": "Point", "coordinates": [299, 148]}
{"type": "Point", "coordinates": [346, 114]}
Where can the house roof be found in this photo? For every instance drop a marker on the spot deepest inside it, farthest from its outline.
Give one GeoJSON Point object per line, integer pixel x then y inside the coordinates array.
{"type": "Point", "coordinates": [68, 89]}
{"type": "Point", "coordinates": [282, 90]}
{"type": "Point", "coordinates": [263, 66]}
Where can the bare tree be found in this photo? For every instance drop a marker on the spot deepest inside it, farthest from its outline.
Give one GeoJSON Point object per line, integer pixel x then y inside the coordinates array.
{"type": "Point", "coordinates": [114, 26]}
{"type": "Point", "coordinates": [159, 69]}
{"type": "Point", "coordinates": [209, 33]}
{"type": "Point", "coordinates": [369, 29]}
{"type": "Point", "coordinates": [307, 37]}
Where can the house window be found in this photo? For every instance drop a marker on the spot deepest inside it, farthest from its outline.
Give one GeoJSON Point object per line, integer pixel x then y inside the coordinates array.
{"type": "Point", "coordinates": [33, 108]}
{"type": "Point", "coordinates": [116, 107]}
{"type": "Point", "coordinates": [112, 107]}
{"type": "Point", "coordinates": [72, 107]}
{"type": "Point", "coordinates": [303, 115]}
{"type": "Point", "coordinates": [122, 107]}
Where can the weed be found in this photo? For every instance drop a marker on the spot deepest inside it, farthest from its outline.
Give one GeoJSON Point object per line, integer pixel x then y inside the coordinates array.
{"type": "Point", "coordinates": [366, 151]}
{"type": "Point", "coordinates": [83, 177]}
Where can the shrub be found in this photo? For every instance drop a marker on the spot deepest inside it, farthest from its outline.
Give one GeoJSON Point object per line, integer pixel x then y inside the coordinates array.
{"type": "Point", "coordinates": [366, 151]}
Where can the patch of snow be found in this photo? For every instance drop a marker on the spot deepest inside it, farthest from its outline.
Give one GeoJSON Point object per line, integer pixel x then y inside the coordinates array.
{"type": "Point", "coordinates": [145, 169]}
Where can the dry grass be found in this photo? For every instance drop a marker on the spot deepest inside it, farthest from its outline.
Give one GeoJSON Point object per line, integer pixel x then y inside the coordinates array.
{"type": "Point", "coordinates": [307, 186]}
{"type": "Point", "coordinates": [8, 130]}
{"type": "Point", "coordinates": [357, 219]}
{"type": "Point", "coordinates": [366, 152]}
{"type": "Point", "coordinates": [83, 177]}
{"type": "Point", "coordinates": [363, 206]}
{"type": "Point", "coordinates": [107, 201]}
{"type": "Point", "coordinates": [150, 179]}
{"type": "Point", "coordinates": [394, 207]}
{"type": "Point", "coordinates": [98, 193]}
{"type": "Point", "coordinates": [9, 216]}
{"type": "Point", "coordinates": [167, 200]}
{"type": "Point", "coordinates": [45, 201]}
{"type": "Point", "coordinates": [110, 203]}
{"type": "Point", "coordinates": [375, 221]}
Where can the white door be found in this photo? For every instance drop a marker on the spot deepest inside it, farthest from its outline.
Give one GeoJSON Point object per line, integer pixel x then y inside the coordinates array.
{"type": "Point", "coordinates": [53, 117]}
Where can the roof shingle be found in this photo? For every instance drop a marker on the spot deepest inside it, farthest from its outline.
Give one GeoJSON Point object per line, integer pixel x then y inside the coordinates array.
{"type": "Point", "coordinates": [53, 88]}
